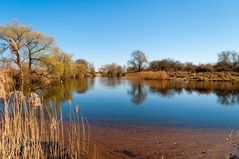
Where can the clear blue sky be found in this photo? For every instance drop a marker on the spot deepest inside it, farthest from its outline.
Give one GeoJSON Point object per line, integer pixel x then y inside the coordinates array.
{"type": "Point", "coordinates": [105, 31]}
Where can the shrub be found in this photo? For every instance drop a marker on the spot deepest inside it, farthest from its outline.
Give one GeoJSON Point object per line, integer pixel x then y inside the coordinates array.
{"type": "Point", "coordinates": [204, 68]}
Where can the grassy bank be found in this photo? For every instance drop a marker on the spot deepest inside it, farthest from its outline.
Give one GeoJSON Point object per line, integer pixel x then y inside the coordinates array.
{"type": "Point", "coordinates": [182, 75]}
{"type": "Point", "coordinates": [159, 75]}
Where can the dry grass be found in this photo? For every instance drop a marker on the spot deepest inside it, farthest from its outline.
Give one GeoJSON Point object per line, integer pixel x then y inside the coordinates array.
{"type": "Point", "coordinates": [183, 75]}
{"type": "Point", "coordinates": [33, 132]}
{"type": "Point", "coordinates": [5, 82]}
{"type": "Point", "coordinates": [150, 75]}
{"type": "Point", "coordinates": [2, 90]}
{"type": "Point", "coordinates": [204, 76]}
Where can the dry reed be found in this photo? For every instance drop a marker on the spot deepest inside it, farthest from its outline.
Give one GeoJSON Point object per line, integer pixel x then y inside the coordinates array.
{"type": "Point", "coordinates": [148, 75]}
{"type": "Point", "coordinates": [35, 132]}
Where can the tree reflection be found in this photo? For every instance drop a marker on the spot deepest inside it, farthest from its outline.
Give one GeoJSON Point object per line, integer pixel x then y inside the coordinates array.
{"type": "Point", "coordinates": [229, 99]}
{"type": "Point", "coordinates": [83, 85]}
{"type": "Point", "coordinates": [63, 92]}
{"type": "Point", "coordinates": [138, 93]}
{"type": "Point", "coordinates": [226, 92]}
{"type": "Point", "coordinates": [110, 82]}
{"type": "Point", "coordinates": [164, 88]}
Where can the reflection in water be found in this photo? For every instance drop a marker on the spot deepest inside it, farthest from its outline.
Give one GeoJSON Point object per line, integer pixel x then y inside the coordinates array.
{"type": "Point", "coordinates": [226, 92]}
{"type": "Point", "coordinates": [63, 92]}
{"type": "Point", "coordinates": [231, 99]}
{"type": "Point", "coordinates": [84, 85]}
{"type": "Point", "coordinates": [164, 88]}
{"type": "Point", "coordinates": [137, 92]}
{"type": "Point", "coordinates": [110, 82]}
{"type": "Point", "coordinates": [163, 103]}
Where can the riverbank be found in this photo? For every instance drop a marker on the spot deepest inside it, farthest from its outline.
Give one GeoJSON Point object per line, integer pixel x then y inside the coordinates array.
{"type": "Point", "coordinates": [120, 141]}
{"type": "Point", "coordinates": [187, 76]}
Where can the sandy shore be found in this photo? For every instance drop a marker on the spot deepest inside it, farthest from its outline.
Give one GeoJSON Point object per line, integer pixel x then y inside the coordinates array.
{"type": "Point", "coordinates": [162, 143]}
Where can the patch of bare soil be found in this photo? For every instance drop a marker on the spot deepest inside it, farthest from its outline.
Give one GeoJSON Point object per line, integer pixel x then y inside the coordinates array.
{"type": "Point", "coordinates": [163, 143]}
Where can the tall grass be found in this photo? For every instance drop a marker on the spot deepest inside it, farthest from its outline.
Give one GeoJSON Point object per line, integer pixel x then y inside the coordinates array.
{"type": "Point", "coordinates": [150, 75]}
{"type": "Point", "coordinates": [39, 132]}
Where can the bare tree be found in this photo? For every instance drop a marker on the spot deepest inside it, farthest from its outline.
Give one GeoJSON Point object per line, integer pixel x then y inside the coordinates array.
{"type": "Point", "coordinates": [138, 60]}
{"type": "Point", "coordinates": [228, 61]}
{"type": "Point", "coordinates": [37, 44]}
{"type": "Point", "coordinates": [112, 70]}
{"type": "Point", "coordinates": [224, 57]}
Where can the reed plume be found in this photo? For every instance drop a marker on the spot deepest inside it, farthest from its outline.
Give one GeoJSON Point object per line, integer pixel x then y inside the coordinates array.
{"type": "Point", "coordinates": [30, 129]}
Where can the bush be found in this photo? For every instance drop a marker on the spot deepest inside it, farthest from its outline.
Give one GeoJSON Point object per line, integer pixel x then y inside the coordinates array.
{"type": "Point", "coordinates": [204, 68]}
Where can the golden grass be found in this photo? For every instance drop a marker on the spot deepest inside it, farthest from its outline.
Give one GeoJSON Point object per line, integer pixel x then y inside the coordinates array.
{"type": "Point", "coordinates": [34, 132]}
{"type": "Point", "coordinates": [26, 133]}
{"type": "Point", "coordinates": [150, 75]}
{"type": "Point", "coordinates": [2, 90]}
{"type": "Point", "coordinates": [5, 82]}
{"type": "Point", "coordinates": [184, 75]}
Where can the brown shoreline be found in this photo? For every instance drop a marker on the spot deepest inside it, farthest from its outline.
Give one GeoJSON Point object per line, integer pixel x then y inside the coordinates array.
{"type": "Point", "coordinates": [156, 143]}
{"type": "Point", "coordinates": [185, 75]}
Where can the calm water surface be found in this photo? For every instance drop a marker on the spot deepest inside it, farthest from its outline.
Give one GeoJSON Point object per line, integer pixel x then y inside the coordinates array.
{"type": "Point", "coordinates": [150, 103]}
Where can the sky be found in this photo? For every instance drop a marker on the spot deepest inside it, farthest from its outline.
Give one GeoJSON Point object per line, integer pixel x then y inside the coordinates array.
{"type": "Point", "coordinates": [106, 31]}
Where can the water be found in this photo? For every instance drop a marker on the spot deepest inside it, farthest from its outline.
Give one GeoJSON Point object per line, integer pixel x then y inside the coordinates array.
{"type": "Point", "coordinates": [150, 103]}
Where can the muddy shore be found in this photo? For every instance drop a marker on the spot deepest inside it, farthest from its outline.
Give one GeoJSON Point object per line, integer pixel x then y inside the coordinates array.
{"type": "Point", "coordinates": [162, 143]}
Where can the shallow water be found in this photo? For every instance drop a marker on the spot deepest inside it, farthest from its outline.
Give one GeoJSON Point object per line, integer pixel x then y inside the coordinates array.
{"type": "Point", "coordinates": [175, 104]}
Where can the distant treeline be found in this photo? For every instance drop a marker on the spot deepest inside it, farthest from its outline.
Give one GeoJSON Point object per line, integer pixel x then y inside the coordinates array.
{"type": "Point", "coordinates": [228, 61]}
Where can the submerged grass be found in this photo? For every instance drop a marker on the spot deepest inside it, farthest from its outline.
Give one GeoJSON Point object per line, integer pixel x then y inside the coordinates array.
{"type": "Point", "coordinates": [39, 132]}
